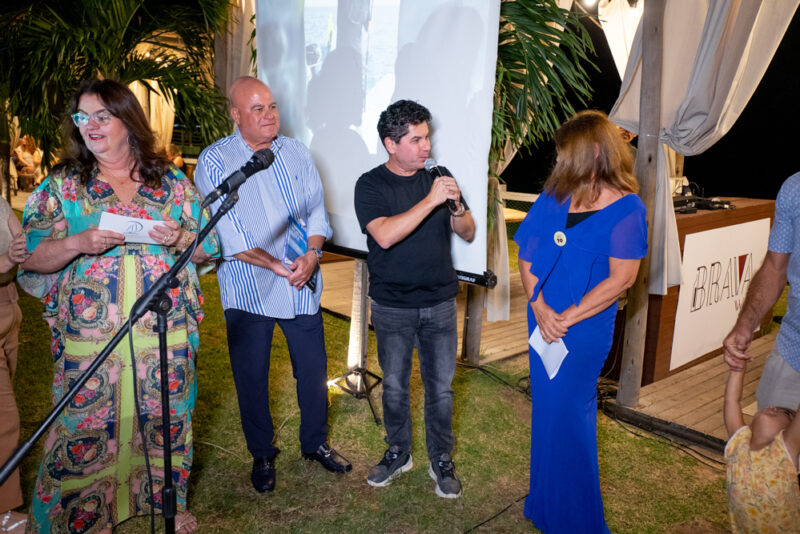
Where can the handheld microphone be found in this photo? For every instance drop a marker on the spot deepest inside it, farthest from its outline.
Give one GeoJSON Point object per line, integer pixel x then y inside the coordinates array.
{"type": "Point", "coordinates": [260, 161]}
{"type": "Point", "coordinates": [433, 168]}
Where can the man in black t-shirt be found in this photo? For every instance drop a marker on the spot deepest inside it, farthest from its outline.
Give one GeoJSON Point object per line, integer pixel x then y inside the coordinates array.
{"type": "Point", "coordinates": [412, 286]}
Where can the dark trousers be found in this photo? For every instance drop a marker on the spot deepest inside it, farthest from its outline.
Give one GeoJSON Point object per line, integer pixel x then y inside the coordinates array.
{"type": "Point", "coordinates": [433, 331]}
{"type": "Point", "coordinates": [249, 344]}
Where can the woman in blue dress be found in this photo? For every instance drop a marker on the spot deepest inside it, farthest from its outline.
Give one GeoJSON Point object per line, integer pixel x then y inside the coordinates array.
{"type": "Point", "coordinates": [579, 248]}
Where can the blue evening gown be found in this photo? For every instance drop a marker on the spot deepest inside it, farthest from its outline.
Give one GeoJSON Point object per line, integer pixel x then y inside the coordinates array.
{"type": "Point", "coordinates": [564, 480]}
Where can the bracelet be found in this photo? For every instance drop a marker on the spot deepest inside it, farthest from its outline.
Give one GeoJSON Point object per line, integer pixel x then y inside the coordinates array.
{"type": "Point", "coordinates": [185, 240]}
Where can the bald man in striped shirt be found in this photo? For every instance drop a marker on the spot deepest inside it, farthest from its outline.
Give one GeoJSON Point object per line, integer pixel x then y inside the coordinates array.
{"type": "Point", "coordinates": [259, 287]}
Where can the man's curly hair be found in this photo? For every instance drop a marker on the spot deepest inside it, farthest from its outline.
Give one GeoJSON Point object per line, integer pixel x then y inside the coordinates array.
{"type": "Point", "coordinates": [395, 120]}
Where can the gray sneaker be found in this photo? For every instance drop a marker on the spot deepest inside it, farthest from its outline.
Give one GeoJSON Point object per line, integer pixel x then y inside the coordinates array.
{"type": "Point", "coordinates": [443, 471]}
{"type": "Point", "coordinates": [394, 463]}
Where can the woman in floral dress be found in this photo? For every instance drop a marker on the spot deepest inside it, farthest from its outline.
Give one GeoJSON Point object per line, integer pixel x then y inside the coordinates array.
{"type": "Point", "coordinates": [93, 473]}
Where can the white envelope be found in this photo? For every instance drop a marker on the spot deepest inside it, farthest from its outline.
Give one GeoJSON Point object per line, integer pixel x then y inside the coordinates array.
{"type": "Point", "coordinates": [552, 354]}
{"type": "Point", "coordinates": [135, 230]}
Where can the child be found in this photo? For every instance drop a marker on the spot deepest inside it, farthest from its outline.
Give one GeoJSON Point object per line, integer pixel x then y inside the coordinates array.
{"type": "Point", "coordinates": [763, 493]}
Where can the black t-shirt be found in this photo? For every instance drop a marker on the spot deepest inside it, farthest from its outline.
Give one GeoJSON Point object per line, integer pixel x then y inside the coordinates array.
{"type": "Point", "coordinates": [418, 271]}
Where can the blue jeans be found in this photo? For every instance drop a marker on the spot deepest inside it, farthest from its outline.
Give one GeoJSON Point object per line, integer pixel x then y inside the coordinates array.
{"type": "Point", "coordinates": [433, 331]}
{"type": "Point", "coordinates": [249, 344]}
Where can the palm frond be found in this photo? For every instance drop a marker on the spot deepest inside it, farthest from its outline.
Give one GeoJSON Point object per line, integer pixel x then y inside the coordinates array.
{"type": "Point", "coordinates": [540, 56]}
{"type": "Point", "coordinates": [68, 41]}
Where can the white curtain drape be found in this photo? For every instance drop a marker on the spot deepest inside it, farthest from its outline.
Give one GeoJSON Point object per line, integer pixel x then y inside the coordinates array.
{"type": "Point", "coordinates": [141, 93]}
{"type": "Point", "coordinates": [231, 50]}
{"type": "Point", "coordinates": [13, 133]}
{"type": "Point", "coordinates": [715, 53]}
{"type": "Point", "coordinates": [619, 21]}
{"type": "Point", "coordinates": [158, 110]}
{"type": "Point", "coordinates": [162, 119]}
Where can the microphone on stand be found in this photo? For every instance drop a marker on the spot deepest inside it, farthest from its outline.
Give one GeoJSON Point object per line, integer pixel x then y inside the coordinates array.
{"type": "Point", "coordinates": [433, 168]}
{"type": "Point", "coordinates": [260, 161]}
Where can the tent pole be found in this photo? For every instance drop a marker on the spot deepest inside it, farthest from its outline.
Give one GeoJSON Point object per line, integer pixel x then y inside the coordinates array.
{"type": "Point", "coordinates": [645, 170]}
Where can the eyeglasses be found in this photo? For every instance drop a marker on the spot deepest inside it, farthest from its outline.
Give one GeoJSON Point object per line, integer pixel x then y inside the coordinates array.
{"type": "Point", "coordinates": [81, 119]}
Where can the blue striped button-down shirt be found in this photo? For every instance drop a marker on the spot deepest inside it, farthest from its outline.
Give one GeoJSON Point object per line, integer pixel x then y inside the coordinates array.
{"type": "Point", "coordinates": [785, 239]}
{"type": "Point", "coordinates": [291, 186]}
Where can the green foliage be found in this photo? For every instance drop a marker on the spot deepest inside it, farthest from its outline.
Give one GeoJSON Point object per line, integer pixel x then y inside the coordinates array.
{"type": "Point", "coordinates": [50, 47]}
{"type": "Point", "coordinates": [541, 49]}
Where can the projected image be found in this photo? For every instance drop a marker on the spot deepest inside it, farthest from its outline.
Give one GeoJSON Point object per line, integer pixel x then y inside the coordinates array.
{"type": "Point", "coordinates": [351, 46]}
{"type": "Point", "coordinates": [334, 65]}
{"type": "Point", "coordinates": [350, 49]}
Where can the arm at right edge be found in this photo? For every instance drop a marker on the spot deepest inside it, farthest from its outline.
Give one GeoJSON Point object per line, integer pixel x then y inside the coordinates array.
{"type": "Point", "coordinates": [763, 293]}
{"type": "Point", "coordinates": [765, 289]}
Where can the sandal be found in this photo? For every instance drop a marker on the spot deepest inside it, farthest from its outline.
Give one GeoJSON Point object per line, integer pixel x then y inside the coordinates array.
{"type": "Point", "coordinates": [13, 522]}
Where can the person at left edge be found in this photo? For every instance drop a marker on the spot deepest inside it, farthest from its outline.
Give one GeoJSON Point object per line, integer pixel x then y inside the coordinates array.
{"type": "Point", "coordinates": [13, 251]}
{"type": "Point", "coordinates": [258, 289]}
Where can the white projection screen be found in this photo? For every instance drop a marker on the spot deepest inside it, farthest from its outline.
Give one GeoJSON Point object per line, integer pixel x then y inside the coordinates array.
{"type": "Point", "coordinates": [334, 65]}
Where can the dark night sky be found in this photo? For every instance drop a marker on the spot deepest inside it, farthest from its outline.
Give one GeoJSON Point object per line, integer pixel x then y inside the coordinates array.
{"type": "Point", "coordinates": [751, 160]}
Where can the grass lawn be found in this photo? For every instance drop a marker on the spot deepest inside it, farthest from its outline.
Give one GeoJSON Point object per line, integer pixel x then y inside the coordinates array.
{"type": "Point", "coordinates": [649, 485]}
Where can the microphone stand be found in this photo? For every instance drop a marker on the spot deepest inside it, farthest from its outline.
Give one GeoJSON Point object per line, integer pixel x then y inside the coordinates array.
{"type": "Point", "coordinates": [156, 300]}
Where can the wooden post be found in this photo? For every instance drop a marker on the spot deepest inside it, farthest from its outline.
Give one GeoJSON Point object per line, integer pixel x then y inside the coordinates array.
{"type": "Point", "coordinates": [679, 160]}
{"type": "Point", "coordinates": [473, 317]}
{"type": "Point", "coordinates": [359, 324]}
{"type": "Point", "coordinates": [5, 154]}
{"type": "Point", "coordinates": [5, 171]}
{"type": "Point", "coordinates": [630, 379]}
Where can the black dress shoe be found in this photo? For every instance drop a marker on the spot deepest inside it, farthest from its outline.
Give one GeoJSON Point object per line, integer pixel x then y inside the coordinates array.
{"type": "Point", "coordinates": [263, 474]}
{"type": "Point", "coordinates": [329, 458]}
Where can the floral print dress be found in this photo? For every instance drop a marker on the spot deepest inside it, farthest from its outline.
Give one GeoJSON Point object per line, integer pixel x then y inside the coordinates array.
{"type": "Point", "coordinates": [763, 495]}
{"type": "Point", "coordinates": [93, 474]}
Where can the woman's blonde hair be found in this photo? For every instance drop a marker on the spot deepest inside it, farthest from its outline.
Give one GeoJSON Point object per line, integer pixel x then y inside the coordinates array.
{"type": "Point", "coordinates": [591, 153]}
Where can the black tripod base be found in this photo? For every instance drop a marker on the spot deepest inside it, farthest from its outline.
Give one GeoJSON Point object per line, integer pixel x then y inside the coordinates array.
{"type": "Point", "coordinates": [357, 383]}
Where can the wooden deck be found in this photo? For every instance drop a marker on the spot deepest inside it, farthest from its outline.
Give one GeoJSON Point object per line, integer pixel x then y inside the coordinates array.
{"type": "Point", "coordinates": [693, 398]}
{"type": "Point", "coordinates": [501, 339]}
{"type": "Point", "coordinates": [688, 404]}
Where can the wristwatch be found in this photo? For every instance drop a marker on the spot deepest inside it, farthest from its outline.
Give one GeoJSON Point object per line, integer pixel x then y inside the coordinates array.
{"type": "Point", "coordinates": [316, 251]}
{"type": "Point", "coordinates": [462, 209]}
